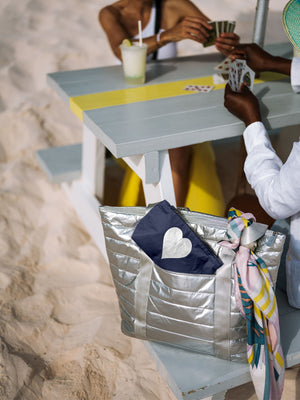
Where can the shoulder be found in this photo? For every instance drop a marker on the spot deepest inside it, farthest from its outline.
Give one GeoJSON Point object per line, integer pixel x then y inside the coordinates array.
{"type": "Point", "coordinates": [181, 6]}
{"type": "Point", "coordinates": [108, 14]}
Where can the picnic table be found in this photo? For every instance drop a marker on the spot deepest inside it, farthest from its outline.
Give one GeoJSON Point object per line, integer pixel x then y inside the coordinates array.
{"type": "Point", "coordinates": [139, 124]}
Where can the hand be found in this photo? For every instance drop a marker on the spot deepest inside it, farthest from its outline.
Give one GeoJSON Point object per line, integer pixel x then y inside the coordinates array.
{"type": "Point", "coordinates": [227, 42]}
{"type": "Point", "coordinates": [195, 28]}
{"type": "Point", "coordinates": [243, 105]}
{"type": "Point", "coordinates": [257, 58]}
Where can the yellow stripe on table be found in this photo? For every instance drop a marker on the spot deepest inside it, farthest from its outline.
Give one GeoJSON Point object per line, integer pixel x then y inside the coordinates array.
{"type": "Point", "coordinates": [112, 98]}
{"type": "Point", "coordinates": [79, 104]}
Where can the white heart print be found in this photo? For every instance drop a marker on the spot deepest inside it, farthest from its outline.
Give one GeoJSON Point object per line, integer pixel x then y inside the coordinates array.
{"type": "Point", "coordinates": [174, 245]}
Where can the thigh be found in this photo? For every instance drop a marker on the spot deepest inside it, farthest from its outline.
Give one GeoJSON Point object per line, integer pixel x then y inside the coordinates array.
{"type": "Point", "coordinates": [180, 157]}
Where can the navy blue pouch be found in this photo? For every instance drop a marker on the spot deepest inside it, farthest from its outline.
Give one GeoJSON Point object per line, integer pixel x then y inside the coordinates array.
{"type": "Point", "coordinates": [168, 240]}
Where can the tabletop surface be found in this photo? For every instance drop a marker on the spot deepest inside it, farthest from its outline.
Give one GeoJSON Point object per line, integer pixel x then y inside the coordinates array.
{"type": "Point", "coordinates": [140, 126]}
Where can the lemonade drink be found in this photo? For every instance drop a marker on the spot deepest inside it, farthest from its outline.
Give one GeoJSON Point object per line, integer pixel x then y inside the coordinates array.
{"type": "Point", "coordinates": [134, 63]}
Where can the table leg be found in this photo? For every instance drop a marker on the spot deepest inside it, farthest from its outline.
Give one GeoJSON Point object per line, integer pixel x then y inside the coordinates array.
{"type": "Point", "coordinates": [87, 207]}
{"type": "Point", "coordinates": [155, 172]}
{"type": "Point", "coordinates": [93, 163]}
{"type": "Point", "coordinates": [86, 194]}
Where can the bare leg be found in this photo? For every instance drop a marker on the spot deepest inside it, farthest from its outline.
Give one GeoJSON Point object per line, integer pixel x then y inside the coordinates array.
{"type": "Point", "coordinates": [180, 159]}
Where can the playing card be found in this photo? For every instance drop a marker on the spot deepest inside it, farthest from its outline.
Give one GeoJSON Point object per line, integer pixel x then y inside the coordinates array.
{"type": "Point", "coordinates": [232, 76]}
{"type": "Point", "coordinates": [219, 79]}
{"type": "Point", "coordinates": [190, 88]}
{"type": "Point", "coordinates": [247, 76]}
{"type": "Point", "coordinates": [232, 26]}
{"type": "Point", "coordinates": [198, 88]}
{"type": "Point", "coordinates": [204, 88]}
{"type": "Point", "coordinates": [239, 65]}
{"type": "Point", "coordinates": [228, 26]}
{"type": "Point", "coordinates": [224, 66]}
{"type": "Point", "coordinates": [217, 29]}
{"type": "Point", "coordinates": [225, 76]}
{"type": "Point", "coordinates": [235, 76]}
{"type": "Point", "coordinates": [212, 35]}
{"type": "Point", "coordinates": [220, 27]}
{"type": "Point", "coordinates": [240, 72]}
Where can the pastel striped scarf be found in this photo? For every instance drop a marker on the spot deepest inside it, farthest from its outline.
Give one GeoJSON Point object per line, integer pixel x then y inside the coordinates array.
{"type": "Point", "coordinates": [256, 300]}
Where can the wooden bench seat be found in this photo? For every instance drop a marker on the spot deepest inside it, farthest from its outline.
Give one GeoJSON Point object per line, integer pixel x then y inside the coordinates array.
{"type": "Point", "coordinates": [193, 376]}
{"type": "Point", "coordinates": [62, 163]}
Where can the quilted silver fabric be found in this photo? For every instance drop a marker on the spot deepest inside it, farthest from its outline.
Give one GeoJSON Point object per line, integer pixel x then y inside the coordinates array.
{"type": "Point", "coordinates": [195, 312]}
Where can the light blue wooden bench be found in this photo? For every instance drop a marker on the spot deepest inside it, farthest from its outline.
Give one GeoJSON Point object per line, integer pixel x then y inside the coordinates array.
{"type": "Point", "coordinates": [194, 376]}
{"type": "Point", "coordinates": [61, 163]}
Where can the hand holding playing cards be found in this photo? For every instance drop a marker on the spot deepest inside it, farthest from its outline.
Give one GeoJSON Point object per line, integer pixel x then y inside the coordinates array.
{"type": "Point", "coordinates": [227, 42]}
{"type": "Point", "coordinates": [195, 28]}
{"type": "Point", "coordinates": [243, 105]}
{"type": "Point", "coordinates": [260, 60]}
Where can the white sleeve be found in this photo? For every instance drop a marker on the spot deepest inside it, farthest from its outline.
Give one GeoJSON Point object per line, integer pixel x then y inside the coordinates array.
{"type": "Point", "coordinates": [295, 74]}
{"type": "Point", "coordinates": [277, 185]}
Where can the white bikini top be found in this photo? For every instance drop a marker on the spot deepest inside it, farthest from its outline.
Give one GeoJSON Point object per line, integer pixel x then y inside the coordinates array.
{"type": "Point", "coordinates": [167, 51]}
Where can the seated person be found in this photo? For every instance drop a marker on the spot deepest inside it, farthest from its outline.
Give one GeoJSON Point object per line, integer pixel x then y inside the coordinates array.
{"type": "Point", "coordinates": [277, 185]}
{"type": "Point", "coordinates": [178, 20]}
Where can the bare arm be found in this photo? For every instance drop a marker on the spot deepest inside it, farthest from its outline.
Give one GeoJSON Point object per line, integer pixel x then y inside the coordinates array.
{"type": "Point", "coordinates": [225, 42]}
{"type": "Point", "coordinates": [178, 26]}
{"type": "Point", "coordinates": [180, 20]}
{"type": "Point", "coordinates": [194, 28]}
{"type": "Point", "coordinates": [184, 8]}
{"type": "Point", "coordinates": [115, 32]}
{"type": "Point", "coordinates": [183, 20]}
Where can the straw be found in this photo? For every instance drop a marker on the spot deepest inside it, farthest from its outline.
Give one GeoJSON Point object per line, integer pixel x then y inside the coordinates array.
{"type": "Point", "coordinates": [140, 32]}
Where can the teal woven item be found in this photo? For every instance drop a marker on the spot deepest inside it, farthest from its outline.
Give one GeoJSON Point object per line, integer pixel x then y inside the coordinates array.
{"type": "Point", "coordinates": [291, 22]}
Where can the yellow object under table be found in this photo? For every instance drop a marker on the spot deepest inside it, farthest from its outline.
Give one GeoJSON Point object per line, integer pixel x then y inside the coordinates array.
{"type": "Point", "coordinates": [204, 193]}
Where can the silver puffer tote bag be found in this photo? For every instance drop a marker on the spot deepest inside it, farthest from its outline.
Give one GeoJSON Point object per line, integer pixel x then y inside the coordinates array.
{"type": "Point", "coordinates": [187, 310]}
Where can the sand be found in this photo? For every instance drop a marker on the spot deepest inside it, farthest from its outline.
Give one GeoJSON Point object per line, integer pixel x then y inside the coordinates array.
{"type": "Point", "coordinates": [59, 321]}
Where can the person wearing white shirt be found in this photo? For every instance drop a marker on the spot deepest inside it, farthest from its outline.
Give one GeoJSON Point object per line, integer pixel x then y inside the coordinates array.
{"type": "Point", "coordinates": [277, 185]}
